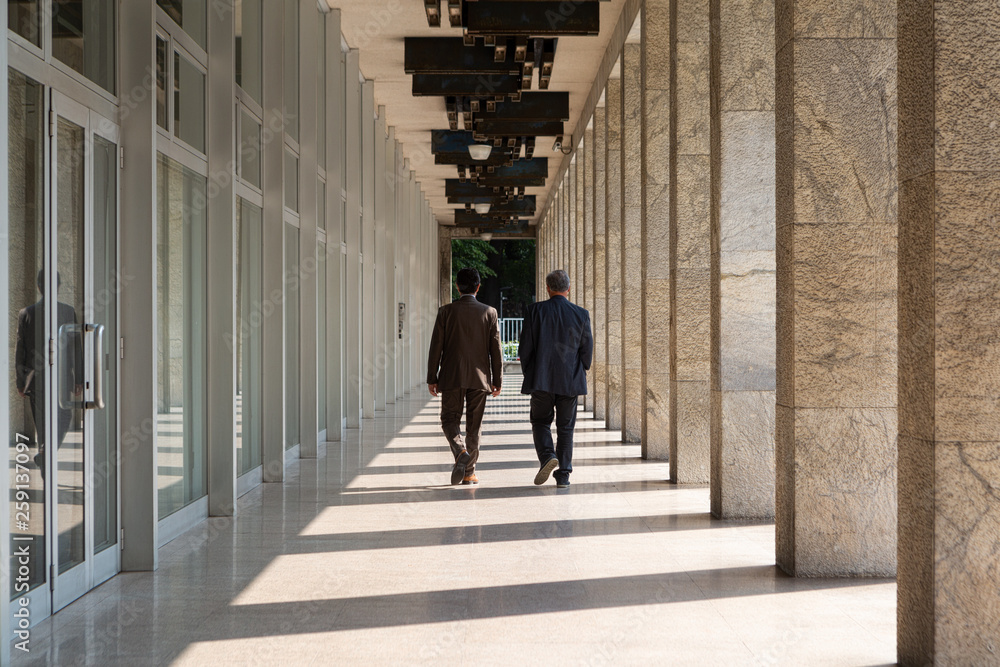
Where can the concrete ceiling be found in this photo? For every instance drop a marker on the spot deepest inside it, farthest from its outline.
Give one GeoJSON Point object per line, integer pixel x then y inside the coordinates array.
{"type": "Point", "coordinates": [377, 29]}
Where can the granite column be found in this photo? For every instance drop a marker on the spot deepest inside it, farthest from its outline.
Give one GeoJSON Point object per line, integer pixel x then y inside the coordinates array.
{"type": "Point", "coordinates": [949, 348]}
{"type": "Point", "coordinates": [836, 183]}
{"type": "Point", "coordinates": [613, 252]}
{"type": "Point", "coordinates": [743, 273]}
{"type": "Point", "coordinates": [690, 246]}
{"type": "Point", "coordinates": [599, 315]}
{"type": "Point", "coordinates": [631, 248]}
{"type": "Point", "coordinates": [656, 165]}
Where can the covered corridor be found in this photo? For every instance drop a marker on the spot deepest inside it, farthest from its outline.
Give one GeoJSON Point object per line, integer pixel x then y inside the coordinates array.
{"type": "Point", "coordinates": [365, 556]}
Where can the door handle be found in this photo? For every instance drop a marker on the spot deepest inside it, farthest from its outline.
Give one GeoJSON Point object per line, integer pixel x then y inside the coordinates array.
{"type": "Point", "coordinates": [98, 402]}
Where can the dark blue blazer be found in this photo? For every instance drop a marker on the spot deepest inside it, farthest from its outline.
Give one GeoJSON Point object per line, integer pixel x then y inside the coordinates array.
{"type": "Point", "coordinates": [556, 348]}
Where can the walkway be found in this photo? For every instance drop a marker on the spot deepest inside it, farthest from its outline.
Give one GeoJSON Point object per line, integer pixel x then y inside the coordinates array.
{"type": "Point", "coordinates": [366, 557]}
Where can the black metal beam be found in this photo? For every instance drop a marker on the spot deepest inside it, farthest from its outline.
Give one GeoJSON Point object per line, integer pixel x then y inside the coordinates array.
{"type": "Point", "coordinates": [473, 218]}
{"type": "Point", "coordinates": [449, 55]}
{"type": "Point", "coordinates": [518, 128]}
{"type": "Point", "coordinates": [533, 17]}
{"type": "Point", "coordinates": [477, 85]}
{"type": "Point", "coordinates": [536, 105]}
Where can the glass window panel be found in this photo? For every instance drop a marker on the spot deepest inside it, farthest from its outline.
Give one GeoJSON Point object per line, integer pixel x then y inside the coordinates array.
{"type": "Point", "coordinates": [249, 149]}
{"type": "Point", "coordinates": [291, 79]}
{"type": "Point", "coordinates": [162, 75]}
{"type": "Point", "coordinates": [248, 47]}
{"type": "Point", "coordinates": [321, 93]}
{"type": "Point", "coordinates": [24, 17]}
{"type": "Point", "coordinates": [189, 103]}
{"type": "Point", "coordinates": [83, 37]}
{"type": "Point", "coordinates": [181, 347]}
{"type": "Point", "coordinates": [105, 305]}
{"type": "Point", "coordinates": [291, 336]}
{"type": "Point", "coordinates": [70, 438]}
{"type": "Point", "coordinates": [249, 342]}
{"type": "Point", "coordinates": [191, 15]}
{"type": "Point", "coordinates": [291, 182]}
{"type": "Point", "coordinates": [26, 321]}
{"type": "Point", "coordinates": [321, 331]}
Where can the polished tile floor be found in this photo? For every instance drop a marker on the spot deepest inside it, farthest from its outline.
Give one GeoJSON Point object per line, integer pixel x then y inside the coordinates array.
{"type": "Point", "coordinates": [366, 556]}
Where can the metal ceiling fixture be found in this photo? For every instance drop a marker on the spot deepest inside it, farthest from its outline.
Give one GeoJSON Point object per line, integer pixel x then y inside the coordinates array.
{"type": "Point", "coordinates": [480, 152]}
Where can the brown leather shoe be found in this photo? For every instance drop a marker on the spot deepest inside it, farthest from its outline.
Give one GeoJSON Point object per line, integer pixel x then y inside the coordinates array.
{"type": "Point", "coordinates": [470, 479]}
{"type": "Point", "coordinates": [458, 472]}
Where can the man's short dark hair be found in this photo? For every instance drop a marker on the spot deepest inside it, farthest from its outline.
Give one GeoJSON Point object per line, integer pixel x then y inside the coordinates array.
{"type": "Point", "coordinates": [467, 281]}
{"type": "Point", "coordinates": [557, 281]}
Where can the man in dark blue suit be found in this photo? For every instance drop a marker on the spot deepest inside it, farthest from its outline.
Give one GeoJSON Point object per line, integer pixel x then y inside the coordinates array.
{"type": "Point", "coordinates": [556, 349]}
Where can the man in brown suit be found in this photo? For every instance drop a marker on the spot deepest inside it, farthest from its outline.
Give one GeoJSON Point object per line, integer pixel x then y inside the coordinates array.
{"type": "Point", "coordinates": [465, 366]}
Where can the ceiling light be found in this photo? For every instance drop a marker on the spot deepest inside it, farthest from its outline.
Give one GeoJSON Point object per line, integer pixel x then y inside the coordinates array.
{"type": "Point", "coordinates": [480, 151]}
{"type": "Point", "coordinates": [482, 209]}
{"type": "Point", "coordinates": [486, 236]}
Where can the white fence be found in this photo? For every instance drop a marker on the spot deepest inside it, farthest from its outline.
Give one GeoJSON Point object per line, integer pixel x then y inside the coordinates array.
{"type": "Point", "coordinates": [510, 333]}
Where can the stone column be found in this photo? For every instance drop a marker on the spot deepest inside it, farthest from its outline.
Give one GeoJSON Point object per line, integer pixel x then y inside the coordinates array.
{"type": "Point", "coordinates": [336, 175]}
{"type": "Point", "coordinates": [138, 240]}
{"type": "Point", "coordinates": [588, 246]}
{"type": "Point", "coordinates": [389, 269]}
{"type": "Point", "coordinates": [273, 270]}
{"type": "Point", "coordinates": [579, 180]}
{"type": "Point", "coordinates": [369, 295]}
{"type": "Point", "coordinates": [743, 291]}
{"type": "Point", "coordinates": [352, 305]}
{"type": "Point", "coordinates": [949, 356]}
{"type": "Point", "coordinates": [631, 248]}
{"type": "Point", "coordinates": [381, 293]}
{"type": "Point", "coordinates": [690, 256]}
{"type": "Point", "coordinates": [221, 306]}
{"type": "Point", "coordinates": [570, 206]}
{"type": "Point", "coordinates": [836, 181]}
{"type": "Point", "coordinates": [444, 262]}
{"type": "Point", "coordinates": [599, 315]}
{"type": "Point", "coordinates": [308, 224]}
{"type": "Point", "coordinates": [656, 165]}
{"type": "Point", "coordinates": [613, 253]}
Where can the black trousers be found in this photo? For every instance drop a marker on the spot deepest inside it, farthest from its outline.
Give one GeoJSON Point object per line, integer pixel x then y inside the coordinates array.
{"type": "Point", "coordinates": [545, 406]}
{"type": "Point", "coordinates": [452, 403]}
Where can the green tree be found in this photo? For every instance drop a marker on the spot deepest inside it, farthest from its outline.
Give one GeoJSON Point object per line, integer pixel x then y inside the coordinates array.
{"type": "Point", "coordinates": [470, 254]}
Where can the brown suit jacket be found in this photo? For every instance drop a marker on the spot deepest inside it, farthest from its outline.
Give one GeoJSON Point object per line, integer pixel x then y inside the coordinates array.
{"type": "Point", "coordinates": [465, 347]}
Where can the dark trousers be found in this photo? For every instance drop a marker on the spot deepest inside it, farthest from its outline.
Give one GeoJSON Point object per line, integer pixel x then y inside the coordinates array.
{"type": "Point", "coordinates": [545, 406]}
{"type": "Point", "coordinates": [452, 403]}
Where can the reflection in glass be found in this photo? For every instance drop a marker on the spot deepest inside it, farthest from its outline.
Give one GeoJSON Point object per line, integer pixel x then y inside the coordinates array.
{"type": "Point", "coordinates": [24, 17]}
{"type": "Point", "coordinates": [105, 312]}
{"type": "Point", "coordinates": [83, 37]}
{"type": "Point", "coordinates": [250, 149]}
{"type": "Point", "coordinates": [191, 15]}
{"type": "Point", "coordinates": [291, 78]}
{"type": "Point", "coordinates": [70, 289]}
{"type": "Point", "coordinates": [291, 182]}
{"type": "Point", "coordinates": [189, 103]}
{"type": "Point", "coordinates": [161, 82]}
{"type": "Point", "coordinates": [181, 354]}
{"type": "Point", "coordinates": [321, 205]}
{"type": "Point", "coordinates": [291, 336]}
{"type": "Point", "coordinates": [321, 331]}
{"type": "Point", "coordinates": [248, 47]}
{"type": "Point", "coordinates": [249, 341]}
{"type": "Point", "coordinates": [26, 327]}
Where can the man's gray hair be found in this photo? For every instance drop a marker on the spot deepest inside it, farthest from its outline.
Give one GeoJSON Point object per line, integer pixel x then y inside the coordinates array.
{"type": "Point", "coordinates": [557, 281]}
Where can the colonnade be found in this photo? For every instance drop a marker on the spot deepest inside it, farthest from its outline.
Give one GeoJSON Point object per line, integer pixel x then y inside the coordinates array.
{"type": "Point", "coordinates": [783, 221]}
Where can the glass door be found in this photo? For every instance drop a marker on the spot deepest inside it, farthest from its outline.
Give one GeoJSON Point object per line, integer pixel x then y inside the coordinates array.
{"type": "Point", "coordinates": [82, 462]}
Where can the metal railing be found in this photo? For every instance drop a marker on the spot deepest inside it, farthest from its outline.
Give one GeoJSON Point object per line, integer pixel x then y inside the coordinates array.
{"type": "Point", "coordinates": [510, 334]}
